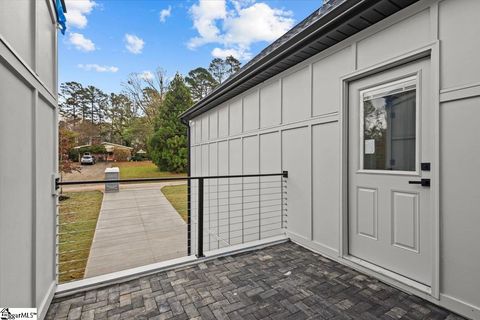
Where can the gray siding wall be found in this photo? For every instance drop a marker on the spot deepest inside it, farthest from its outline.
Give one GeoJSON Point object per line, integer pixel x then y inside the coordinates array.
{"type": "Point", "coordinates": [28, 140]}
{"type": "Point", "coordinates": [459, 30]}
{"type": "Point", "coordinates": [293, 122]}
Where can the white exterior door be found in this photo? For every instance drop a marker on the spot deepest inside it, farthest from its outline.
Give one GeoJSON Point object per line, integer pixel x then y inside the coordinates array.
{"type": "Point", "coordinates": [390, 149]}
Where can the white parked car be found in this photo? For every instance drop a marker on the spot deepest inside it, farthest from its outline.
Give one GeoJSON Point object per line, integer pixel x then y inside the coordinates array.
{"type": "Point", "coordinates": [87, 159]}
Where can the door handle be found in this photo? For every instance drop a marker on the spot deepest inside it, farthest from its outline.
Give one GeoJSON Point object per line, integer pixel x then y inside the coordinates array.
{"type": "Point", "coordinates": [422, 182]}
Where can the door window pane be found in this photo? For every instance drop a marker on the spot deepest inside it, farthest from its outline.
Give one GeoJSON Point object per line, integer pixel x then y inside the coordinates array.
{"type": "Point", "coordinates": [389, 128]}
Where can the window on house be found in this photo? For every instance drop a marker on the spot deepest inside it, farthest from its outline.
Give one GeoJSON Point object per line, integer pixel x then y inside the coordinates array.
{"type": "Point", "coordinates": [389, 127]}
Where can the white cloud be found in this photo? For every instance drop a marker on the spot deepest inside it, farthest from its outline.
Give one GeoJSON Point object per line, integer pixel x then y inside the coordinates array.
{"type": "Point", "coordinates": [165, 13]}
{"type": "Point", "coordinates": [258, 22]}
{"type": "Point", "coordinates": [134, 44]}
{"type": "Point", "coordinates": [146, 75]}
{"type": "Point", "coordinates": [236, 53]}
{"type": "Point", "coordinates": [98, 68]}
{"type": "Point", "coordinates": [77, 11]}
{"type": "Point", "coordinates": [236, 29]}
{"type": "Point", "coordinates": [81, 43]}
{"type": "Point", "coordinates": [204, 17]}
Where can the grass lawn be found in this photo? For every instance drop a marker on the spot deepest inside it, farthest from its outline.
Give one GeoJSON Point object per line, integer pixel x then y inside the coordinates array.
{"type": "Point", "coordinates": [78, 219]}
{"type": "Point", "coordinates": [142, 169]}
{"type": "Point", "coordinates": [177, 195]}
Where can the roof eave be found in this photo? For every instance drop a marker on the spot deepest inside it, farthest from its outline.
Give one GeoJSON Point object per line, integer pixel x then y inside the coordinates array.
{"type": "Point", "coordinates": [333, 15]}
{"type": "Point", "coordinates": [64, 6]}
{"type": "Point", "coordinates": [333, 25]}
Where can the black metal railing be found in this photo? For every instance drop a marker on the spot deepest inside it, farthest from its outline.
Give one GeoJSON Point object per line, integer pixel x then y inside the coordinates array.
{"type": "Point", "coordinates": [215, 189]}
{"type": "Point", "coordinates": [222, 211]}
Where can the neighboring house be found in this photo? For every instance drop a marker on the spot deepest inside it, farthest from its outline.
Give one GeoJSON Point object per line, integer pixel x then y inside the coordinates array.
{"type": "Point", "coordinates": [112, 152]}
{"type": "Point", "coordinates": [373, 108]}
{"type": "Point", "coordinates": [28, 161]}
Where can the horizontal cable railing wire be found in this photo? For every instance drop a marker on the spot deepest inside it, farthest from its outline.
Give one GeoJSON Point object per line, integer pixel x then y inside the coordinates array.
{"type": "Point", "coordinates": [238, 210]}
{"type": "Point", "coordinates": [59, 183]}
{"type": "Point", "coordinates": [222, 211]}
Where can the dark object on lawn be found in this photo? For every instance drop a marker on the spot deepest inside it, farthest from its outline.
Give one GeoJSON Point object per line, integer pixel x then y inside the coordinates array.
{"type": "Point", "coordinates": [63, 197]}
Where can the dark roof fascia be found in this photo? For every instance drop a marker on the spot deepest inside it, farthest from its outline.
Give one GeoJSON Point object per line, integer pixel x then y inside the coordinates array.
{"type": "Point", "coordinates": [335, 16]}
{"type": "Point", "coordinates": [64, 6]}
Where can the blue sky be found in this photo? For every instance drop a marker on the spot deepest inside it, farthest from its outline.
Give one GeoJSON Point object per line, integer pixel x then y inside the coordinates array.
{"type": "Point", "coordinates": [108, 40]}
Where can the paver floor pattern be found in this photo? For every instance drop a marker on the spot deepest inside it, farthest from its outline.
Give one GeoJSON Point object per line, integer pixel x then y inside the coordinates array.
{"type": "Point", "coordinates": [284, 281]}
{"type": "Point", "coordinates": [136, 227]}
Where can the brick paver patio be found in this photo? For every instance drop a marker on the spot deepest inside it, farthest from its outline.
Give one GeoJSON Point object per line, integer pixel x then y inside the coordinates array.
{"type": "Point", "coordinates": [284, 281]}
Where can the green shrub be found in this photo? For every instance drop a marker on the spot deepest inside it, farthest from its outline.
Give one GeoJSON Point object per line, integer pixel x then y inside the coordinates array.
{"type": "Point", "coordinates": [139, 157]}
{"type": "Point", "coordinates": [121, 154]}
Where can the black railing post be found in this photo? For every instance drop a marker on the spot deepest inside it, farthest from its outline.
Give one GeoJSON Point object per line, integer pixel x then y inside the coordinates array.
{"type": "Point", "coordinates": [200, 218]}
{"type": "Point", "coordinates": [189, 189]}
{"type": "Point", "coordinates": [189, 217]}
{"type": "Point", "coordinates": [284, 176]}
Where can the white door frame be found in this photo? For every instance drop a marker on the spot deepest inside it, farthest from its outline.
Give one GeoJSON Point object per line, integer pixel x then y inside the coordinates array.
{"type": "Point", "coordinates": [432, 51]}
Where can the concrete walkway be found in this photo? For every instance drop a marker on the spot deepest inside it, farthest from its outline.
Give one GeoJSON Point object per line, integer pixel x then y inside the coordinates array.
{"type": "Point", "coordinates": [136, 227]}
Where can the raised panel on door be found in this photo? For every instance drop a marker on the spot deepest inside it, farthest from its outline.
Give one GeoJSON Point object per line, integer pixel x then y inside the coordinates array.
{"type": "Point", "coordinates": [405, 220]}
{"type": "Point", "coordinates": [366, 219]}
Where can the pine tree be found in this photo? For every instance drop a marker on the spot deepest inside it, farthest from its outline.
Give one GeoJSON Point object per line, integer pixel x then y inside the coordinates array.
{"type": "Point", "coordinates": [218, 69]}
{"type": "Point", "coordinates": [222, 69]}
{"type": "Point", "coordinates": [71, 102]}
{"type": "Point", "coordinates": [168, 145]}
{"type": "Point", "coordinates": [233, 65]}
{"type": "Point", "coordinates": [200, 82]}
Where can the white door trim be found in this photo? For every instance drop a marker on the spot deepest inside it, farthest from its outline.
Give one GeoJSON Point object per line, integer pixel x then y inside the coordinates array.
{"type": "Point", "coordinates": [432, 51]}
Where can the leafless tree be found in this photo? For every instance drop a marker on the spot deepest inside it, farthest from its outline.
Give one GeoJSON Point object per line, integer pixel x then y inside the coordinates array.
{"type": "Point", "coordinates": [147, 91]}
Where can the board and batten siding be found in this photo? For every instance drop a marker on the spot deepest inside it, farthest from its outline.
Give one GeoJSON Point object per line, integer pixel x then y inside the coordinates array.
{"type": "Point", "coordinates": [28, 140]}
{"type": "Point", "coordinates": [279, 126]}
{"type": "Point", "coordinates": [458, 31]}
{"type": "Point", "coordinates": [293, 122]}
